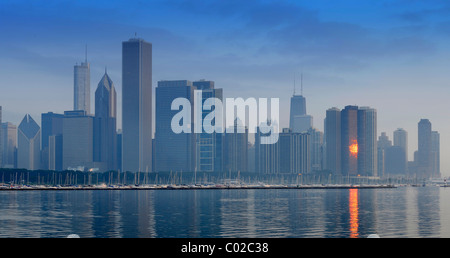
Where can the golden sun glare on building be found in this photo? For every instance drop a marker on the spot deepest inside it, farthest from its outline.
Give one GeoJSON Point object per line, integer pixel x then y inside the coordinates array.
{"type": "Point", "coordinates": [354, 148]}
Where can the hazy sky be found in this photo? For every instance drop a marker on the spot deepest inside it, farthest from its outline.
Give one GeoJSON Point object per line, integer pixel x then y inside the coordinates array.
{"type": "Point", "coordinates": [393, 56]}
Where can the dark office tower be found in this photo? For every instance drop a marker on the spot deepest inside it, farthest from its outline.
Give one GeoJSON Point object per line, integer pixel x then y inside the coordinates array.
{"type": "Point", "coordinates": [367, 141]}
{"type": "Point", "coordinates": [209, 154]}
{"type": "Point", "coordinates": [29, 144]}
{"type": "Point", "coordinates": [174, 151]}
{"type": "Point", "coordinates": [349, 145]}
{"type": "Point", "coordinates": [424, 151]}
{"type": "Point", "coordinates": [52, 129]}
{"type": "Point", "coordinates": [236, 149]}
{"type": "Point", "coordinates": [299, 121]}
{"type": "Point", "coordinates": [105, 135]}
{"type": "Point", "coordinates": [82, 87]}
{"type": "Point", "coordinates": [9, 139]}
{"type": "Point", "coordinates": [435, 150]}
{"type": "Point", "coordinates": [136, 105]}
{"type": "Point", "coordinates": [333, 141]}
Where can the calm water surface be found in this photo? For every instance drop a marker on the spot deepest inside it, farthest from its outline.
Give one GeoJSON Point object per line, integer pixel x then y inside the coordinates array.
{"type": "Point", "coordinates": [409, 212]}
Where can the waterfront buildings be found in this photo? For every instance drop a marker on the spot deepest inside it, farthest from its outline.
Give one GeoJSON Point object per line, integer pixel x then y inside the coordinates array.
{"type": "Point", "coordinates": [136, 105]}
{"type": "Point", "coordinates": [350, 141]}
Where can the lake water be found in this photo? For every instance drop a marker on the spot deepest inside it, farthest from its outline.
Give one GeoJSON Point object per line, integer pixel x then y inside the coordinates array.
{"type": "Point", "coordinates": [407, 212]}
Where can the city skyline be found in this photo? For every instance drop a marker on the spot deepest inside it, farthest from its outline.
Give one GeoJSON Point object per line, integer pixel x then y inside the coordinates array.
{"type": "Point", "coordinates": [403, 85]}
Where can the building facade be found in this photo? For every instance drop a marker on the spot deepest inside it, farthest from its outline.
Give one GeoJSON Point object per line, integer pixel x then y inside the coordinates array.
{"type": "Point", "coordinates": [136, 105]}
{"type": "Point", "coordinates": [82, 87]}
{"type": "Point", "coordinates": [29, 144]}
{"type": "Point", "coordinates": [174, 151]}
{"type": "Point", "coordinates": [105, 134]}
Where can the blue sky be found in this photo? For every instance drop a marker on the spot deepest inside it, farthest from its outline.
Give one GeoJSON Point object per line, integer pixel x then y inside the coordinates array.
{"type": "Point", "coordinates": [391, 55]}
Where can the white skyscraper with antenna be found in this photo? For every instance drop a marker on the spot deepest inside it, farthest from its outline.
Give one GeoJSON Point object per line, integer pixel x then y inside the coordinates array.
{"type": "Point", "coordinates": [82, 86]}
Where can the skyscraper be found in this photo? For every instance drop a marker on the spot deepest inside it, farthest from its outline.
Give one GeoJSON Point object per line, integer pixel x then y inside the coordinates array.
{"type": "Point", "coordinates": [401, 139]}
{"type": "Point", "coordinates": [435, 154]}
{"type": "Point", "coordinates": [136, 105]}
{"type": "Point", "coordinates": [349, 140]}
{"type": "Point", "coordinates": [367, 141]}
{"type": "Point", "coordinates": [267, 156]}
{"type": "Point", "coordinates": [383, 145]}
{"type": "Point", "coordinates": [299, 121]}
{"type": "Point", "coordinates": [174, 151]}
{"type": "Point", "coordinates": [105, 135]}
{"type": "Point", "coordinates": [52, 129]}
{"type": "Point", "coordinates": [424, 155]}
{"type": "Point", "coordinates": [333, 140]}
{"type": "Point", "coordinates": [236, 149]}
{"type": "Point", "coordinates": [208, 145]}
{"type": "Point", "coordinates": [82, 87]}
{"type": "Point", "coordinates": [9, 139]}
{"type": "Point", "coordinates": [78, 140]}
{"type": "Point", "coordinates": [316, 149]}
{"type": "Point", "coordinates": [29, 144]}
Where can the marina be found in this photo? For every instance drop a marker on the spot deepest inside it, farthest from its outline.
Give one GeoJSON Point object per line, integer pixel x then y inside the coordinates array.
{"type": "Point", "coordinates": [183, 187]}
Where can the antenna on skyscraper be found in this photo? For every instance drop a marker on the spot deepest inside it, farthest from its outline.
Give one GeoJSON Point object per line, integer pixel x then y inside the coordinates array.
{"type": "Point", "coordinates": [294, 84]}
{"type": "Point", "coordinates": [301, 84]}
{"type": "Point", "coordinates": [85, 54]}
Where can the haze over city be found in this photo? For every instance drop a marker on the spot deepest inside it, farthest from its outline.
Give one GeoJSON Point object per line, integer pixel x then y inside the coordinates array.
{"type": "Point", "coordinates": [390, 55]}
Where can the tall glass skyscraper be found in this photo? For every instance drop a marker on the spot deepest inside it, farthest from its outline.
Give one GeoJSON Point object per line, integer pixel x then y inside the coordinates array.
{"type": "Point", "coordinates": [82, 87]}
{"type": "Point", "coordinates": [333, 140]}
{"type": "Point", "coordinates": [174, 151]}
{"type": "Point", "coordinates": [136, 105]}
{"type": "Point", "coordinates": [349, 140]}
{"type": "Point", "coordinates": [367, 141]}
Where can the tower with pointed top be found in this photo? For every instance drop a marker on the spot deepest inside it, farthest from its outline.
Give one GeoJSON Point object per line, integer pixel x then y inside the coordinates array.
{"type": "Point", "coordinates": [82, 86]}
{"type": "Point", "coordinates": [105, 136]}
{"type": "Point", "coordinates": [29, 144]}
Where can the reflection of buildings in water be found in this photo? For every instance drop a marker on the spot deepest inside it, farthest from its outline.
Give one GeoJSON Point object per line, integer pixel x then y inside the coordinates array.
{"type": "Point", "coordinates": [428, 212]}
{"type": "Point", "coordinates": [236, 208]}
{"type": "Point", "coordinates": [247, 214]}
{"type": "Point", "coordinates": [354, 216]}
{"type": "Point", "coordinates": [146, 215]}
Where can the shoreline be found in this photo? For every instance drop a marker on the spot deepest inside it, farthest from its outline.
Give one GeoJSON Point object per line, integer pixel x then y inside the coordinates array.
{"type": "Point", "coordinates": [192, 187]}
